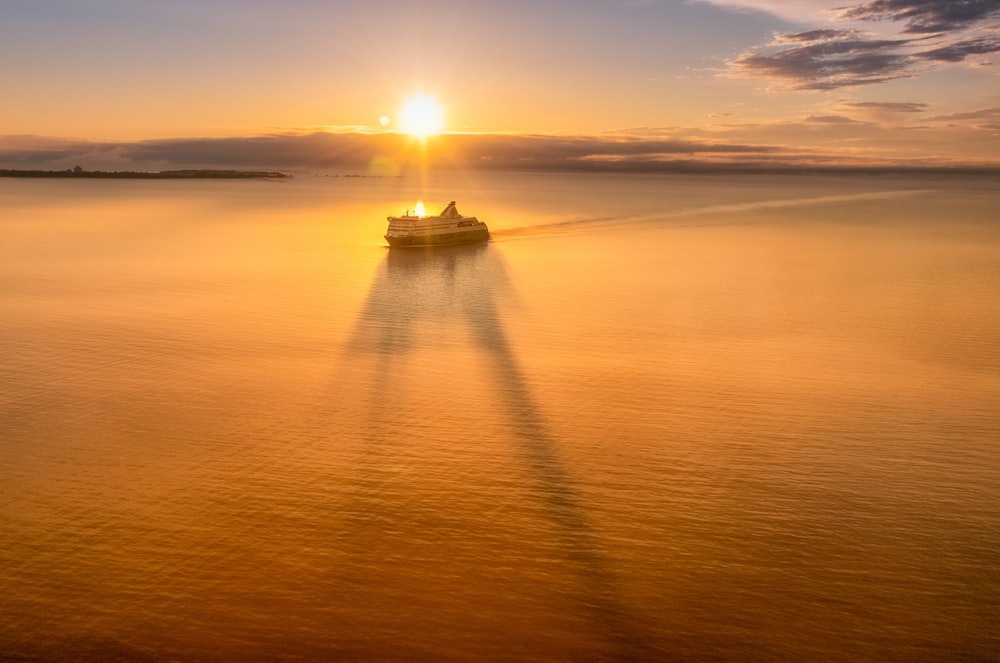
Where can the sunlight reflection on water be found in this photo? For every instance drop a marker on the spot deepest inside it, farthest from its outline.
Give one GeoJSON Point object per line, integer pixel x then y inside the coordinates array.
{"type": "Point", "coordinates": [715, 425]}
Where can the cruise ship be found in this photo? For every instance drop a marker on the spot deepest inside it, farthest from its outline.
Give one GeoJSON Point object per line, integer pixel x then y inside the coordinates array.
{"type": "Point", "coordinates": [448, 227]}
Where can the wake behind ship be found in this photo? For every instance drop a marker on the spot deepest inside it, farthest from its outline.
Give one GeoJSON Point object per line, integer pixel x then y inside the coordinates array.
{"type": "Point", "coordinates": [448, 227]}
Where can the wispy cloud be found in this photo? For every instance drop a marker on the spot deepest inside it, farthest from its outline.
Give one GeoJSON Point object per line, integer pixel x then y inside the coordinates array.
{"type": "Point", "coordinates": [830, 119]}
{"type": "Point", "coordinates": [986, 118]}
{"type": "Point", "coordinates": [888, 106]}
{"type": "Point", "coordinates": [926, 16]}
{"type": "Point", "coordinates": [789, 10]}
{"type": "Point", "coordinates": [934, 33]}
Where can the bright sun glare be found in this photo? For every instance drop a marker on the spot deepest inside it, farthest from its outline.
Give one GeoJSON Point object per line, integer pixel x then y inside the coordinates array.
{"type": "Point", "coordinates": [421, 117]}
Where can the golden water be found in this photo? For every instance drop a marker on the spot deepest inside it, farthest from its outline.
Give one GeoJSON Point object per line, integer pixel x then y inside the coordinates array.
{"type": "Point", "coordinates": [710, 418]}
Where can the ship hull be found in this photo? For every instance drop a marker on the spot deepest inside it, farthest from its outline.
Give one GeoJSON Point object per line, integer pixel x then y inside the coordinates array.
{"type": "Point", "coordinates": [439, 238]}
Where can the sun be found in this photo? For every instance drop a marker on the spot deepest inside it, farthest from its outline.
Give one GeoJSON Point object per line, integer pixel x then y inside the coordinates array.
{"type": "Point", "coordinates": [421, 117]}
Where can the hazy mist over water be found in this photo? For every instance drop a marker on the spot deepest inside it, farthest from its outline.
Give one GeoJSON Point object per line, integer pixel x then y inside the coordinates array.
{"type": "Point", "coordinates": [656, 417]}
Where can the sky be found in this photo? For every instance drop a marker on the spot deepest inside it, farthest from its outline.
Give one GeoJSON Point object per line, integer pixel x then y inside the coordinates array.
{"type": "Point", "coordinates": [633, 84]}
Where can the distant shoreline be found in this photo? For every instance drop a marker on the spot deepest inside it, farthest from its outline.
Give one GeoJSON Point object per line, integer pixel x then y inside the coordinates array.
{"type": "Point", "coordinates": [194, 174]}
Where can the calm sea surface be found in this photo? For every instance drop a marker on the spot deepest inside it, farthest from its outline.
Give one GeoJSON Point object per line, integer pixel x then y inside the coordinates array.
{"type": "Point", "coordinates": [657, 418]}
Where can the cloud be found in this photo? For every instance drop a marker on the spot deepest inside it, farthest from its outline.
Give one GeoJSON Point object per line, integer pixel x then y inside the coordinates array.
{"type": "Point", "coordinates": [749, 148]}
{"type": "Point", "coordinates": [888, 106]}
{"type": "Point", "coordinates": [553, 149]}
{"type": "Point", "coordinates": [830, 119]}
{"type": "Point", "coordinates": [829, 59]}
{"type": "Point", "coordinates": [875, 138]}
{"type": "Point", "coordinates": [884, 114]}
{"type": "Point", "coordinates": [31, 150]}
{"type": "Point", "coordinates": [826, 34]}
{"type": "Point", "coordinates": [986, 118]}
{"type": "Point", "coordinates": [926, 16]}
{"type": "Point", "coordinates": [920, 16]}
{"type": "Point", "coordinates": [357, 152]}
{"type": "Point", "coordinates": [789, 10]}
{"type": "Point", "coordinates": [935, 33]}
{"type": "Point", "coordinates": [960, 50]}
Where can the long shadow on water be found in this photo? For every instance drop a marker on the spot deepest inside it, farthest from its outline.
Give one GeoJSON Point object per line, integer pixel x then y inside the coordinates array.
{"type": "Point", "coordinates": [466, 283]}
